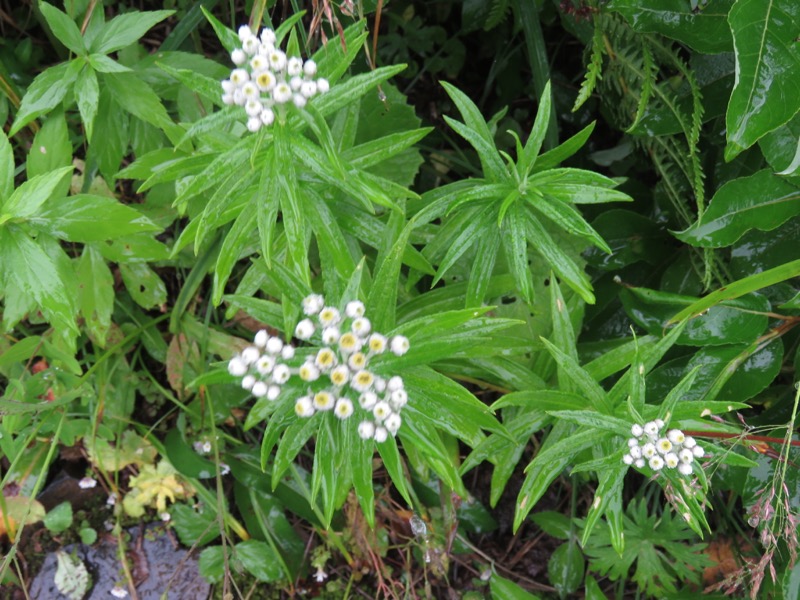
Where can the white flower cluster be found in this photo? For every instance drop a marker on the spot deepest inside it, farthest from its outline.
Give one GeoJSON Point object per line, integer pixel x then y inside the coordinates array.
{"type": "Point", "coordinates": [337, 375]}
{"type": "Point", "coordinates": [650, 446]}
{"type": "Point", "coordinates": [342, 365]}
{"type": "Point", "coordinates": [266, 78]}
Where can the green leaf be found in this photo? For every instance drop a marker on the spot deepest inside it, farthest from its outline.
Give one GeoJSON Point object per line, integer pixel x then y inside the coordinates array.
{"type": "Point", "coordinates": [35, 275]}
{"type": "Point", "coordinates": [505, 589]}
{"type": "Point", "coordinates": [138, 98]}
{"type": "Point", "coordinates": [72, 579]}
{"type": "Point", "coordinates": [580, 379]}
{"type": "Point", "coordinates": [107, 150]}
{"type": "Point", "coordinates": [6, 168]}
{"type": "Point", "coordinates": [531, 150]}
{"type": "Point", "coordinates": [227, 37]}
{"type": "Point", "coordinates": [732, 321]}
{"type": "Point", "coordinates": [20, 351]}
{"type": "Point", "coordinates": [594, 419]}
{"type": "Point", "coordinates": [59, 519]}
{"type": "Point", "coordinates": [740, 288]}
{"type": "Point", "coordinates": [87, 94]}
{"type": "Point", "coordinates": [704, 29]}
{"type": "Point", "coordinates": [766, 93]}
{"type": "Point", "coordinates": [212, 565]}
{"type": "Point", "coordinates": [51, 150]}
{"type": "Point", "coordinates": [103, 64]}
{"type": "Point", "coordinates": [781, 147]}
{"type": "Point", "coordinates": [46, 92]}
{"type": "Point", "coordinates": [761, 201]}
{"type": "Point", "coordinates": [88, 218]}
{"type": "Point", "coordinates": [568, 219]}
{"type": "Point", "coordinates": [123, 30]}
{"type": "Point", "coordinates": [566, 567]}
{"type": "Point", "coordinates": [64, 28]}
{"type": "Point", "coordinates": [95, 294]}
{"type": "Point", "coordinates": [553, 158]}
{"type": "Point", "coordinates": [259, 559]}
{"type": "Point", "coordinates": [143, 284]}
{"type": "Point", "coordinates": [513, 239]}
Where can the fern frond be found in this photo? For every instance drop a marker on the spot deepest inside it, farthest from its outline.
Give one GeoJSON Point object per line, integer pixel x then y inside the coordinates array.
{"type": "Point", "coordinates": [594, 68]}
{"type": "Point", "coordinates": [497, 14]}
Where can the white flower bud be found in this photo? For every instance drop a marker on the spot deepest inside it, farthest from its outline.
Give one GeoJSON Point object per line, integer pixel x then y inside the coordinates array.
{"type": "Point", "coordinates": [304, 407]}
{"type": "Point", "coordinates": [698, 452]}
{"type": "Point", "coordinates": [268, 36]}
{"type": "Point", "coordinates": [664, 446]}
{"type": "Point", "coordinates": [259, 389]}
{"type": "Point", "coordinates": [639, 463]}
{"type": "Point", "coordinates": [656, 463]}
{"type": "Point", "coordinates": [253, 124]}
{"type": "Point", "coordinates": [277, 60]}
{"type": "Point", "coordinates": [299, 101]}
{"type": "Point", "coordinates": [282, 93]}
{"type": "Point", "coordinates": [689, 442]}
{"type": "Point", "coordinates": [228, 99]}
{"type": "Point", "coordinates": [330, 335]}
{"type": "Point", "coordinates": [685, 469]}
{"type": "Point", "coordinates": [399, 345]}
{"type": "Point", "coordinates": [273, 392]}
{"type": "Point", "coordinates": [244, 33]}
{"type": "Point", "coordinates": [238, 57]}
{"type": "Point", "coordinates": [392, 423]}
{"type": "Point", "coordinates": [395, 383]}
{"type": "Point", "coordinates": [627, 459]}
{"type": "Point", "coordinates": [676, 436]}
{"type": "Point", "coordinates": [649, 450]}
{"type": "Point", "coordinates": [308, 372]}
{"type": "Point", "coordinates": [686, 456]}
{"type": "Point", "coordinates": [304, 329]}
{"type": "Point", "coordinates": [322, 85]}
{"type": "Point", "coordinates": [637, 430]}
{"type": "Point", "coordinates": [313, 304]}
{"type": "Point", "coordinates": [228, 86]}
{"type": "Point", "coordinates": [267, 117]}
{"type": "Point", "coordinates": [274, 345]}
{"type": "Point", "coordinates": [250, 91]}
{"type": "Point", "coordinates": [310, 68]}
{"type": "Point", "coordinates": [250, 45]}
{"type": "Point", "coordinates": [329, 316]}
{"type": "Point", "coordinates": [381, 411]}
{"type": "Point", "coordinates": [308, 89]}
{"type": "Point", "coordinates": [368, 400]}
{"type": "Point", "coordinates": [294, 66]}
{"type": "Point", "coordinates": [381, 434]}
{"type": "Point", "coordinates": [237, 367]}
{"type": "Point", "coordinates": [261, 338]}
{"type": "Point", "coordinates": [253, 109]}
{"type": "Point", "coordinates": [250, 355]}
{"type": "Point", "coordinates": [295, 83]}
{"type": "Point", "coordinates": [361, 326]}
{"type": "Point", "coordinates": [399, 399]}
{"type": "Point", "coordinates": [636, 452]}
{"type": "Point", "coordinates": [366, 430]}
{"type": "Point", "coordinates": [376, 343]}
{"type": "Point", "coordinates": [248, 381]}
{"type": "Point", "coordinates": [264, 364]}
{"type": "Point", "coordinates": [671, 460]}
{"type": "Point", "coordinates": [287, 352]}
{"type": "Point", "coordinates": [379, 385]}
{"type": "Point", "coordinates": [238, 98]}
{"type": "Point", "coordinates": [281, 374]}
{"type": "Point", "coordinates": [354, 309]}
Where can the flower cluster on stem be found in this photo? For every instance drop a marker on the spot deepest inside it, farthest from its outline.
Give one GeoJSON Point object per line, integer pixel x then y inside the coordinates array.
{"type": "Point", "coordinates": [651, 446]}
{"type": "Point", "coordinates": [265, 80]}
{"type": "Point", "coordinates": [336, 375]}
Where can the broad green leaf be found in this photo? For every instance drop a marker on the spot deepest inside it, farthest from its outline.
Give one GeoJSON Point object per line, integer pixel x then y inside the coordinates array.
{"type": "Point", "coordinates": [143, 284]}
{"type": "Point", "coordinates": [20, 351]}
{"type": "Point", "coordinates": [108, 149]}
{"type": "Point", "coordinates": [46, 92]}
{"type": "Point", "coordinates": [125, 29]}
{"type": "Point", "coordinates": [740, 288]}
{"type": "Point", "coordinates": [781, 147]}
{"type": "Point", "coordinates": [138, 98]}
{"type": "Point", "coordinates": [87, 94]}
{"type": "Point", "coordinates": [767, 89]}
{"type": "Point", "coordinates": [259, 559]}
{"type": "Point", "coordinates": [761, 201]}
{"type": "Point", "coordinates": [212, 565]}
{"type": "Point", "coordinates": [566, 567]}
{"type": "Point", "coordinates": [733, 321]}
{"type": "Point", "coordinates": [58, 519]}
{"type": "Point", "coordinates": [89, 218]}
{"type": "Point", "coordinates": [103, 64]}
{"type": "Point", "coordinates": [64, 28]}
{"type": "Point", "coordinates": [51, 150]}
{"type": "Point", "coordinates": [96, 294]}
{"type": "Point", "coordinates": [36, 275]}
{"type": "Point", "coordinates": [704, 29]}
{"type": "Point", "coordinates": [505, 589]}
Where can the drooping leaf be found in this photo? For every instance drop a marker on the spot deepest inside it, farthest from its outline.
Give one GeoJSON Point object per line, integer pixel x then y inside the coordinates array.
{"type": "Point", "coordinates": [46, 92]}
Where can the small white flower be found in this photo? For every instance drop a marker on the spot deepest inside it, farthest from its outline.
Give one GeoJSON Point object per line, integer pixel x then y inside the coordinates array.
{"type": "Point", "coordinates": [344, 408]}
{"type": "Point", "coordinates": [250, 355]}
{"type": "Point", "coordinates": [651, 429]}
{"type": "Point", "coordinates": [325, 359]}
{"type": "Point", "coordinates": [320, 575]}
{"type": "Point", "coordinates": [376, 343]}
{"type": "Point", "coordinates": [277, 60]}
{"type": "Point", "coordinates": [381, 434]}
{"type": "Point", "coordinates": [366, 430]}
{"type": "Point", "coordinates": [310, 68]}
{"type": "Point", "coordinates": [698, 452]}
{"type": "Point", "coordinates": [267, 116]}
{"type": "Point", "coordinates": [237, 367]}
{"type": "Point", "coordinates": [632, 442]}
{"type": "Point", "coordinates": [248, 381]}
{"type": "Point", "coordinates": [274, 345]}
{"type": "Point", "coordinates": [259, 389]}
{"type": "Point", "coordinates": [379, 385]}
{"type": "Point", "coordinates": [689, 442]}
{"type": "Point", "coordinates": [686, 456]}
{"type": "Point", "coordinates": [250, 91]}
{"type": "Point", "coordinates": [253, 124]}
{"type": "Point", "coordinates": [395, 383]}
{"type": "Point", "coordinates": [268, 36]}
{"type": "Point", "coordinates": [299, 100]}
{"type": "Point", "coordinates": [294, 66]}
{"type": "Point", "coordinates": [671, 460]}
{"type": "Point", "coordinates": [253, 108]}
{"type": "Point", "coordinates": [659, 423]}
{"type": "Point", "coordinates": [308, 372]}
{"type": "Point", "coordinates": [368, 400]}
{"type": "Point", "coordinates": [119, 592]}
{"type": "Point", "coordinates": [266, 81]}
{"type": "Point", "coordinates": [304, 407]}
{"type": "Point", "coordinates": [261, 337]}
{"type": "Point", "coordinates": [287, 352]}
{"type": "Point", "coordinates": [357, 361]}
{"type": "Point", "coordinates": [392, 423]}
{"type": "Point", "coordinates": [165, 516]}
{"type": "Point", "coordinates": [244, 33]}
{"type": "Point", "coordinates": [87, 483]}
{"type": "Point", "coordinates": [330, 335]}
{"type": "Point", "coordinates": [627, 459]}
{"type": "Point", "coordinates": [313, 304]}
{"type": "Point", "coordinates": [258, 63]}
{"type": "Point", "coordinates": [639, 463]}
{"type": "Point", "coordinates": [685, 469]}
{"type": "Point", "coordinates": [264, 49]}
{"type": "Point", "coordinates": [664, 446]}
{"type": "Point", "coordinates": [649, 450]}
{"type": "Point", "coordinates": [362, 381]}
{"type": "Point", "coordinates": [228, 99]}
{"type": "Point", "coordinates": [228, 86]}
{"type": "Point", "coordinates": [340, 375]}
{"type": "Point", "coordinates": [295, 83]}
{"type": "Point", "coordinates": [281, 374]}
{"type": "Point", "coordinates": [656, 463]}
{"type": "Point", "coordinates": [381, 410]}
{"type": "Point", "coordinates": [304, 329]}
{"type": "Point", "coordinates": [224, 469]}
{"type": "Point", "coordinates": [265, 364]}
{"type": "Point", "coordinates": [636, 452]}
{"type": "Point", "coordinates": [112, 499]}
{"type": "Point", "coordinates": [238, 98]}
{"type": "Point", "coordinates": [399, 345]}
{"type": "Point", "coordinates": [349, 343]}
{"type": "Point", "coordinates": [250, 45]}
{"type": "Point", "coordinates": [637, 430]}
{"type": "Point", "coordinates": [323, 400]}
{"type": "Point", "coordinates": [361, 326]}
{"type": "Point", "coordinates": [322, 85]}
{"type": "Point", "coordinates": [676, 436]}
{"type": "Point", "coordinates": [354, 309]}
{"type": "Point", "coordinates": [206, 447]}
{"type": "Point", "coordinates": [398, 399]}
{"type": "Point", "coordinates": [329, 316]}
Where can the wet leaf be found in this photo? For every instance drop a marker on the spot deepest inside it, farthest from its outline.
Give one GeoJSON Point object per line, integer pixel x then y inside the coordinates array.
{"type": "Point", "coordinates": [72, 579]}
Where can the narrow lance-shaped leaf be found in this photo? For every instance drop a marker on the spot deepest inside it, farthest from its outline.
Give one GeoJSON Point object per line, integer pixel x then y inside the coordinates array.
{"type": "Point", "coordinates": [64, 28]}
{"type": "Point", "coordinates": [125, 29]}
